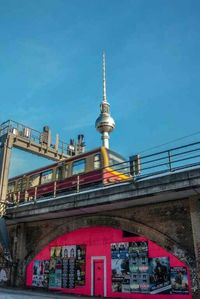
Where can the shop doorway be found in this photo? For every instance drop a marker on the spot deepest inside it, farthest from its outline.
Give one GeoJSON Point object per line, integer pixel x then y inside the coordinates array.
{"type": "Point", "coordinates": [98, 273]}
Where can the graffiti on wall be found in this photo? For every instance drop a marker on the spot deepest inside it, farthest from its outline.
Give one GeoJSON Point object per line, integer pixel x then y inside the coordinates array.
{"type": "Point", "coordinates": [5, 264]}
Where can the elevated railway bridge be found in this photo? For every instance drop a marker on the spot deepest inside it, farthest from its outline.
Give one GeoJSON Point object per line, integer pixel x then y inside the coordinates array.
{"type": "Point", "coordinates": [156, 210]}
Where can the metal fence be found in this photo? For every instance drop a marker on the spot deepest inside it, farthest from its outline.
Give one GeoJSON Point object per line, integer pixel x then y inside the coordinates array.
{"type": "Point", "coordinates": [32, 135]}
{"type": "Point", "coordinates": [137, 168]}
{"type": "Point", "coordinates": [171, 160]}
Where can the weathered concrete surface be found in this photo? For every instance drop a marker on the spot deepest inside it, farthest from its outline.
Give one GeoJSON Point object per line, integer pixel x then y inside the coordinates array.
{"type": "Point", "coordinates": [158, 208]}
{"type": "Point", "coordinates": [166, 188]}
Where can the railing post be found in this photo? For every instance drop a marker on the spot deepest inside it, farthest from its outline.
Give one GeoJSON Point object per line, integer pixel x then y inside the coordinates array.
{"type": "Point", "coordinates": [18, 196]}
{"type": "Point", "coordinates": [135, 165]}
{"type": "Point", "coordinates": [169, 159]}
{"type": "Point", "coordinates": [35, 194]}
{"type": "Point", "coordinates": [54, 189]}
{"type": "Point", "coordinates": [26, 196]}
{"type": "Point", "coordinates": [78, 184]}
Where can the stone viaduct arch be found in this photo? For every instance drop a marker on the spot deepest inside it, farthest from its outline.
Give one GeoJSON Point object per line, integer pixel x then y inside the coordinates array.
{"type": "Point", "coordinates": [124, 224]}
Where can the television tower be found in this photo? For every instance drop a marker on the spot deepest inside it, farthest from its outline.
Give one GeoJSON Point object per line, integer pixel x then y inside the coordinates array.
{"type": "Point", "coordinates": [105, 123]}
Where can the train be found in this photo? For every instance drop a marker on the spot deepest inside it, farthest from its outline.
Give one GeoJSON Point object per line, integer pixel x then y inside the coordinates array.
{"type": "Point", "coordinates": [100, 166]}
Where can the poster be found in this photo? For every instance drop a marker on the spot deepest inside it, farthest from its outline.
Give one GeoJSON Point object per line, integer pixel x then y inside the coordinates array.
{"type": "Point", "coordinates": [144, 282]}
{"type": "Point", "coordinates": [143, 264]}
{"type": "Point", "coordinates": [130, 266]}
{"type": "Point", "coordinates": [71, 273]}
{"type": "Point", "coordinates": [139, 267]}
{"type": "Point", "coordinates": [134, 264]}
{"type": "Point", "coordinates": [179, 280]}
{"type": "Point", "coordinates": [139, 249]}
{"type": "Point", "coordinates": [139, 282]}
{"type": "Point", "coordinates": [160, 275]}
{"type": "Point", "coordinates": [123, 250]}
{"type": "Point", "coordinates": [80, 265]}
{"type": "Point", "coordinates": [134, 283]}
{"type": "Point", "coordinates": [73, 266]}
{"type": "Point", "coordinates": [65, 269]}
{"type": "Point", "coordinates": [58, 273]}
{"type": "Point", "coordinates": [55, 267]}
{"type": "Point", "coordinates": [56, 252]}
{"type": "Point", "coordinates": [52, 268]}
{"type": "Point", "coordinates": [69, 251]}
{"type": "Point", "coordinates": [139, 276]}
{"type": "Point", "coordinates": [115, 251]}
{"type": "Point", "coordinates": [120, 274]}
{"type": "Point", "coordinates": [40, 273]}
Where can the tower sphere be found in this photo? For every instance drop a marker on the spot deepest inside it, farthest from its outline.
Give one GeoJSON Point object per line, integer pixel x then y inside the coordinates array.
{"type": "Point", "coordinates": [105, 123]}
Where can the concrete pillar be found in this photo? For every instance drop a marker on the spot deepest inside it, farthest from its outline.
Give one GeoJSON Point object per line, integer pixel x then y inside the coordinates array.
{"type": "Point", "coordinates": [19, 254]}
{"type": "Point", "coordinates": [195, 221]}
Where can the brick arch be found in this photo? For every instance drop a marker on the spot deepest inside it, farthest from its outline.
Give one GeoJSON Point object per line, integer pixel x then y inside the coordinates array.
{"type": "Point", "coordinates": [115, 222]}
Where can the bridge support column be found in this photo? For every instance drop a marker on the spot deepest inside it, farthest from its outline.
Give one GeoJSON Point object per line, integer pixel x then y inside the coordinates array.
{"type": "Point", "coordinates": [19, 254]}
{"type": "Point", "coordinates": [195, 221]}
{"type": "Point", "coordinates": [6, 143]}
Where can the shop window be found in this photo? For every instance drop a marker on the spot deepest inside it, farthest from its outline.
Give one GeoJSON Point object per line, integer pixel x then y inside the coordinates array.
{"type": "Point", "coordinates": [78, 166]}
{"type": "Point", "coordinates": [46, 176]}
{"type": "Point", "coordinates": [97, 161]}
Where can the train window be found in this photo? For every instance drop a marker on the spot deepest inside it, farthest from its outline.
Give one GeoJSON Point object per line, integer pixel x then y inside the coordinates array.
{"type": "Point", "coordinates": [59, 173]}
{"type": "Point", "coordinates": [19, 185]}
{"type": "Point", "coordinates": [97, 161]}
{"type": "Point", "coordinates": [78, 166]}
{"type": "Point", "coordinates": [65, 171]}
{"type": "Point", "coordinates": [62, 172]}
{"type": "Point", "coordinates": [46, 176]}
{"type": "Point", "coordinates": [114, 159]}
{"type": "Point", "coordinates": [118, 163]}
{"type": "Point", "coordinates": [24, 183]}
{"type": "Point", "coordinates": [11, 187]}
{"type": "Point", "coordinates": [34, 180]}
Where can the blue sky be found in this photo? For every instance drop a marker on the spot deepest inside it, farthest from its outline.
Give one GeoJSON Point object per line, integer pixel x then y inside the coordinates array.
{"type": "Point", "coordinates": [51, 60]}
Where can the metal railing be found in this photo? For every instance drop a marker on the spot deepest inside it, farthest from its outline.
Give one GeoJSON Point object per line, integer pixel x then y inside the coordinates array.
{"type": "Point", "coordinates": [32, 135]}
{"type": "Point", "coordinates": [135, 169]}
{"type": "Point", "coordinates": [171, 160]}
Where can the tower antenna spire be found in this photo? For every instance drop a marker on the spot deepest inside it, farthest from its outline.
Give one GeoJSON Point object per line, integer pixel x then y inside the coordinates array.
{"type": "Point", "coordinates": [105, 123]}
{"type": "Point", "coordinates": [104, 77]}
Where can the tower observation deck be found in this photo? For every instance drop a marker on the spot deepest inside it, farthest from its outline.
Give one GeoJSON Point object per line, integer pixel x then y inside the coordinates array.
{"type": "Point", "coordinates": [105, 124]}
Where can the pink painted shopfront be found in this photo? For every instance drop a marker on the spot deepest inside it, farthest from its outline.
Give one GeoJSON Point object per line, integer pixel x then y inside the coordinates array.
{"type": "Point", "coordinates": [103, 261]}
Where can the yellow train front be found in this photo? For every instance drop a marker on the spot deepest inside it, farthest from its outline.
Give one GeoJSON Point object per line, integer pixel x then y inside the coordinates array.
{"type": "Point", "coordinates": [97, 167]}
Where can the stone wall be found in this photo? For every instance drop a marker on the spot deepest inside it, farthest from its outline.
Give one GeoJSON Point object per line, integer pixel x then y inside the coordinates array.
{"type": "Point", "coordinates": [168, 224]}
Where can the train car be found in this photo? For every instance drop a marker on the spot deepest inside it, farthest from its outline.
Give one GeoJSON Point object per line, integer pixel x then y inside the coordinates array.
{"type": "Point", "coordinates": [99, 166]}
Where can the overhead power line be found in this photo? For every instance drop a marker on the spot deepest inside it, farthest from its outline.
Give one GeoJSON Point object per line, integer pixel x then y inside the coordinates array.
{"type": "Point", "coordinates": [169, 142]}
